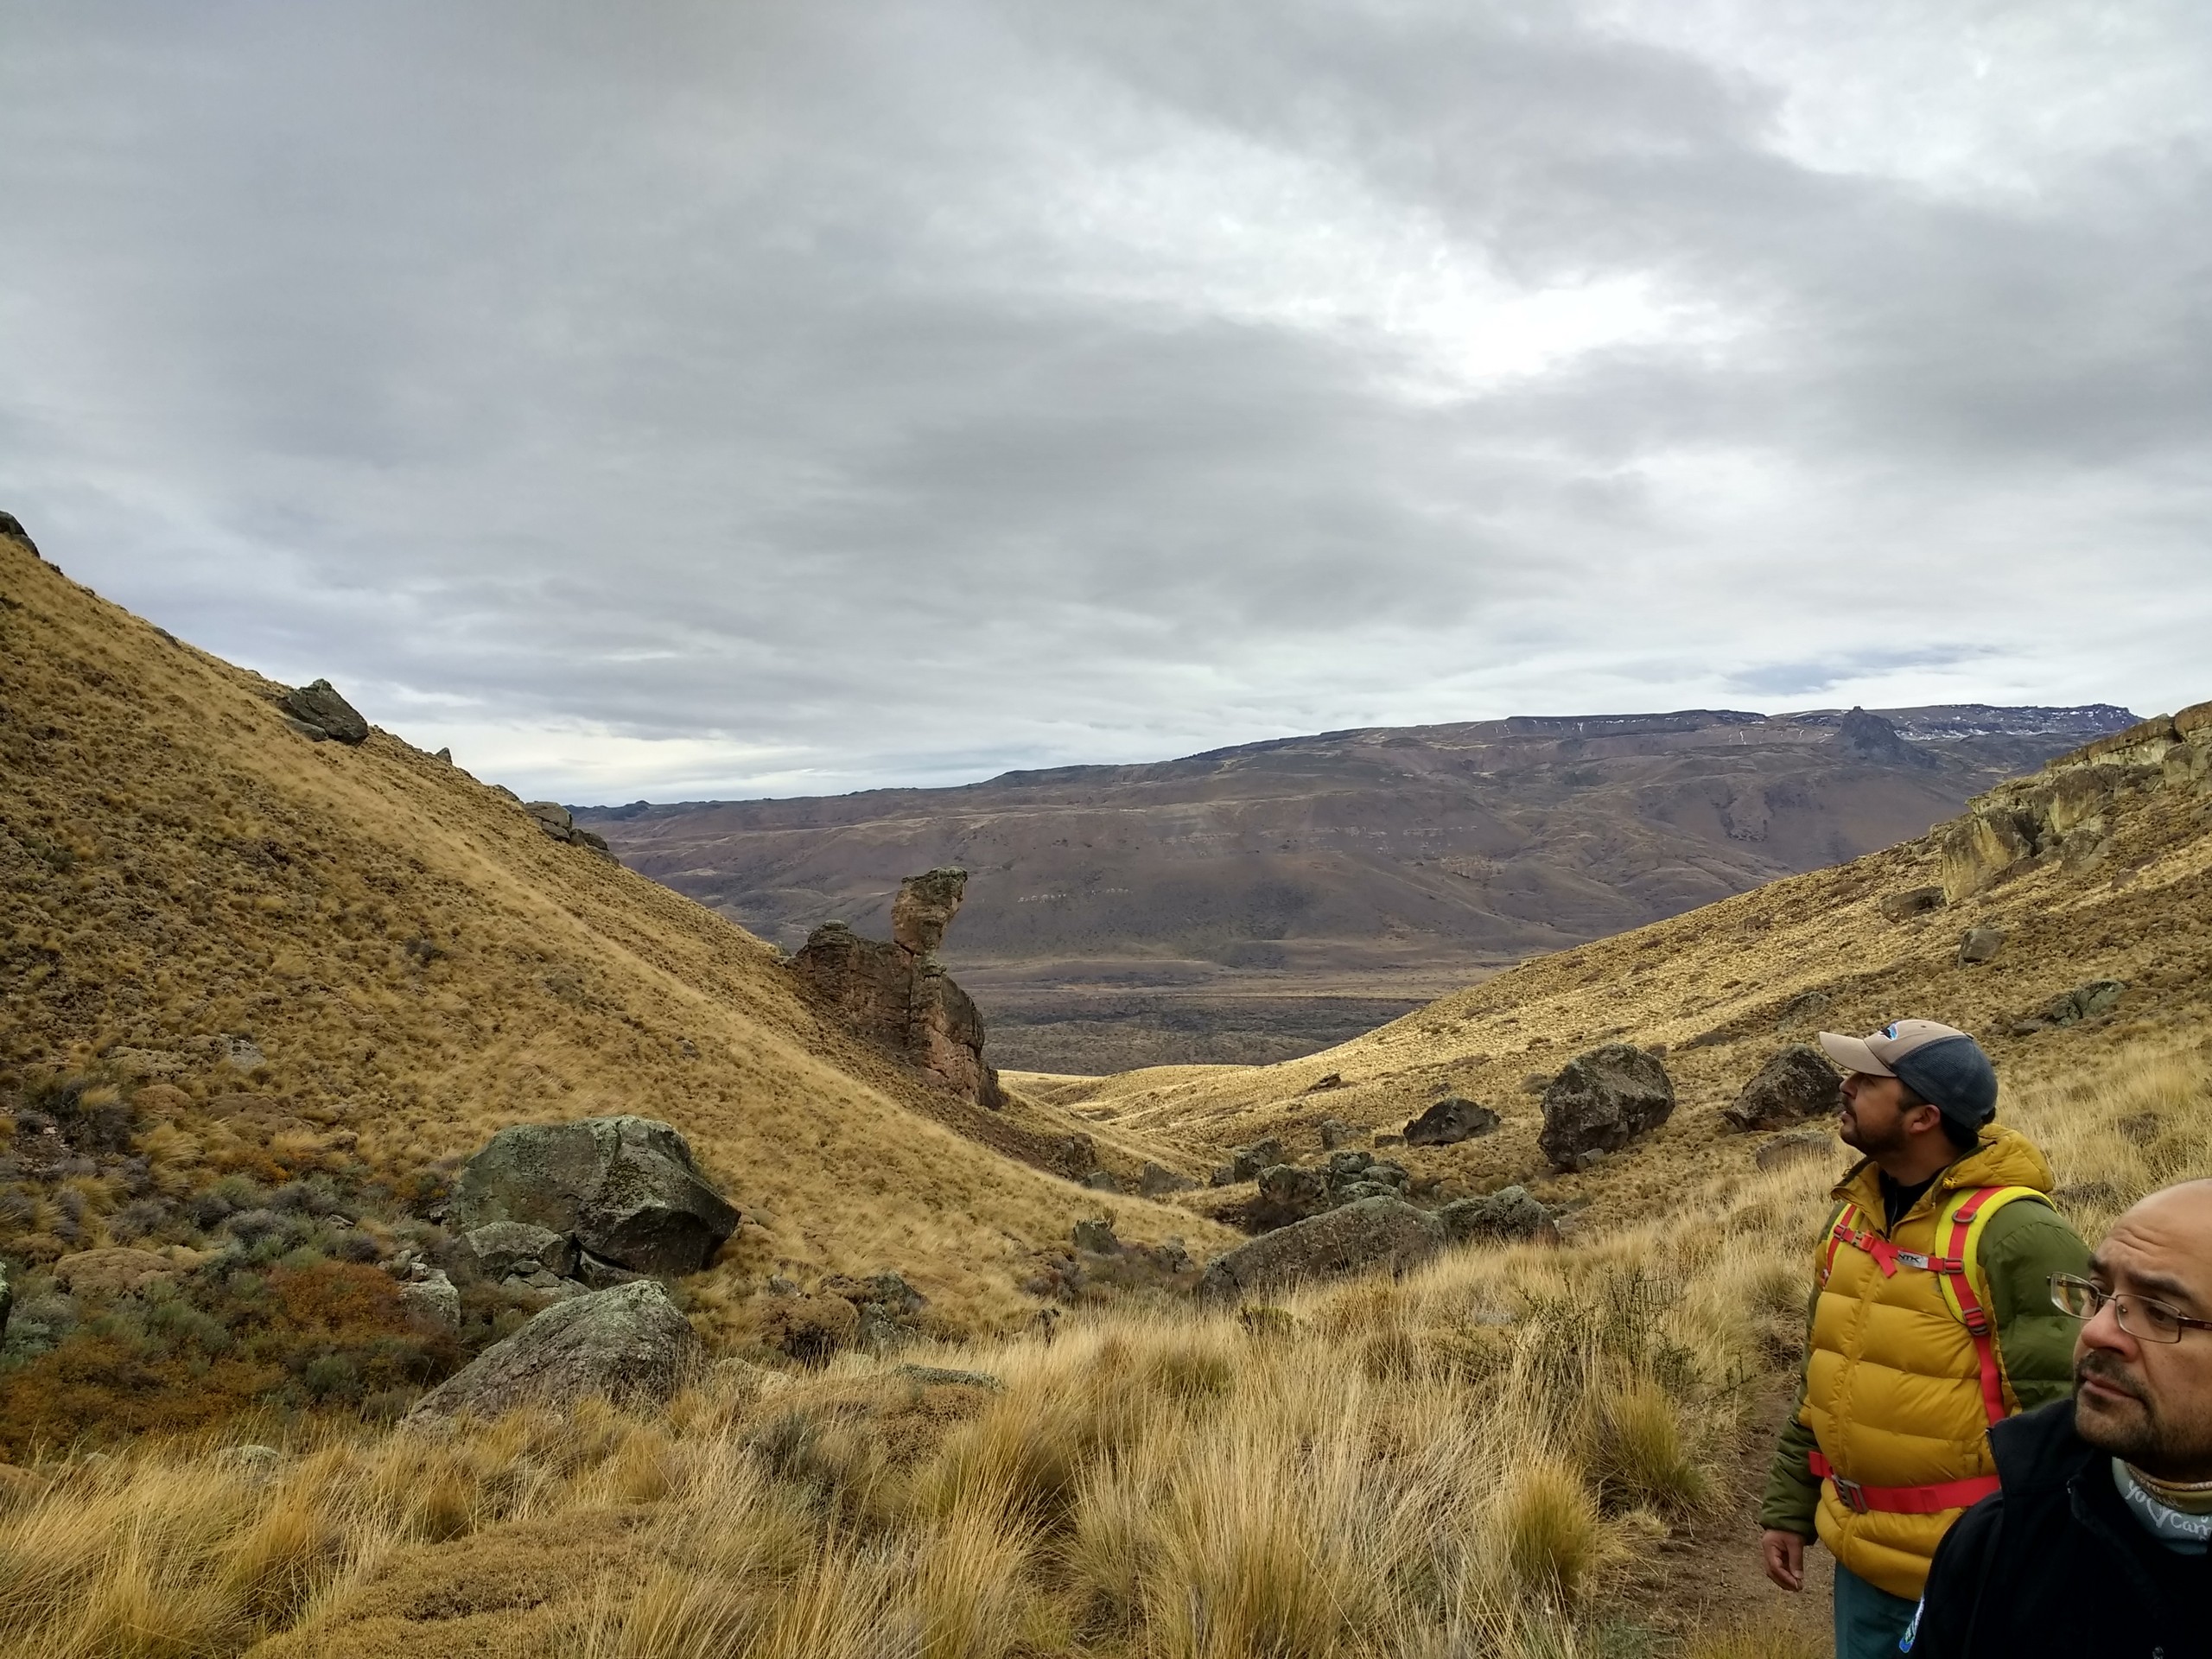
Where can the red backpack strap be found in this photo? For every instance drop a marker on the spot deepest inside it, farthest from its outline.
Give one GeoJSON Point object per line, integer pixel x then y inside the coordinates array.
{"type": "Point", "coordinates": [1978, 1326]}
{"type": "Point", "coordinates": [1839, 1232]}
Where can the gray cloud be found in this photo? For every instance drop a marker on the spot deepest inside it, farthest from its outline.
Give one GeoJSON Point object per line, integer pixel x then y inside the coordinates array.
{"type": "Point", "coordinates": [704, 400]}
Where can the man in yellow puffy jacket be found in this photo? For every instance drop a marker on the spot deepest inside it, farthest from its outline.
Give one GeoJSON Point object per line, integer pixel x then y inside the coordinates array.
{"type": "Point", "coordinates": [1930, 1319]}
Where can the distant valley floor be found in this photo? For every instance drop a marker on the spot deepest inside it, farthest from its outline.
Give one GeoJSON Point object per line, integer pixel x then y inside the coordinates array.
{"type": "Point", "coordinates": [1260, 903]}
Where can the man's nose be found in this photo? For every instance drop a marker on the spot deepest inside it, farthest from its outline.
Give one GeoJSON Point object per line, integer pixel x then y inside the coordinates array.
{"type": "Point", "coordinates": [2101, 1330]}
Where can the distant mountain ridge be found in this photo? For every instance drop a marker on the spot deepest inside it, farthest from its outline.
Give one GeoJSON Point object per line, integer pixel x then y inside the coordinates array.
{"type": "Point", "coordinates": [1259, 901]}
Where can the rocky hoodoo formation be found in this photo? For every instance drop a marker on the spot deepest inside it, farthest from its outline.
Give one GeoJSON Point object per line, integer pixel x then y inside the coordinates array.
{"type": "Point", "coordinates": [2061, 814]}
{"type": "Point", "coordinates": [1602, 1100]}
{"type": "Point", "coordinates": [629, 1344]}
{"type": "Point", "coordinates": [1380, 1232]}
{"type": "Point", "coordinates": [1449, 1121]}
{"type": "Point", "coordinates": [602, 1198]}
{"type": "Point", "coordinates": [317, 711]}
{"type": "Point", "coordinates": [1796, 1084]}
{"type": "Point", "coordinates": [897, 994]}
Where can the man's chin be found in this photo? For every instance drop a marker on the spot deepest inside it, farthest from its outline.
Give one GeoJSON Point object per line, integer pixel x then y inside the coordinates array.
{"type": "Point", "coordinates": [2109, 1420]}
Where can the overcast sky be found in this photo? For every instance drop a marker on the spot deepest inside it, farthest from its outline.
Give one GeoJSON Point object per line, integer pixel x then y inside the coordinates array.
{"type": "Point", "coordinates": [734, 399]}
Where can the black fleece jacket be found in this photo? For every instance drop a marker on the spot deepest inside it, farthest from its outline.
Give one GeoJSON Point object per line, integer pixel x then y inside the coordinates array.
{"type": "Point", "coordinates": [2054, 1564]}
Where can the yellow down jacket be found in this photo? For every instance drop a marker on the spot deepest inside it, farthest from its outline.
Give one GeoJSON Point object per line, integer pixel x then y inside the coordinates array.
{"type": "Point", "coordinates": [1893, 1385]}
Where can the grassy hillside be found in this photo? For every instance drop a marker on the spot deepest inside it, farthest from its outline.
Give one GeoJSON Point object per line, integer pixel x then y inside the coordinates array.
{"type": "Point", "coordinates": [323, 975]}
{"type": "Point", "coordinates": [1534, 1451]}
{"type": "Point", "coordinates": [2122, 892]}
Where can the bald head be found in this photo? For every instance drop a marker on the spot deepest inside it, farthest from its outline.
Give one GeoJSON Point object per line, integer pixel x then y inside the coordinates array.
{"type": "Point", "coordinates": [2147, 1400]}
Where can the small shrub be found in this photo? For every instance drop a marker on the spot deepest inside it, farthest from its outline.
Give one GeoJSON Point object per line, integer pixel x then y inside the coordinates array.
{"type": "Point", "coordinates": [137, 1220]}
{"type": "Point", "coordinates": [209, 1208]}
{"type": "Point", "coordinates": [1639, 1453]}
{"type": "Point", "coordinates": [1549, 1529]}
{"type": "Point", "coordinates": [252, 1226]}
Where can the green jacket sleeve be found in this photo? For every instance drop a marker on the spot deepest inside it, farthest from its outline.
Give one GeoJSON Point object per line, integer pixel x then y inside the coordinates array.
{"type": "Point", "coordinates": [1792, 1494]}
{"type": "Point", "coordinates": [2023, 1244]}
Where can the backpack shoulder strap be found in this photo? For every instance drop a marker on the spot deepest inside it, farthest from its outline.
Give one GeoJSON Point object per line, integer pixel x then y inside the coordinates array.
{"type": "Point", "coordinates": [1965, 1286]}
{"type": "Point", "coordinates": [1841, 1220]}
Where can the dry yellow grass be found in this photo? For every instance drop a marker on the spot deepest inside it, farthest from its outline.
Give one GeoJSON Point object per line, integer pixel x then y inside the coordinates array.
{"type": "Point", "coordinates": [1474, 1459]}
{"type": "Point", "coordinates": [421, 966]}
{"type": "Point", "coordinates": [1716, 985]}
{"type": "Point", "coordinates": [1467, 1460]}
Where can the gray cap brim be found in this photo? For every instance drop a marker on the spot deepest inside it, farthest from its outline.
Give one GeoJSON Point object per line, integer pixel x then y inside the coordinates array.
{"type": "Point", "coordinates": [1853, 1054]}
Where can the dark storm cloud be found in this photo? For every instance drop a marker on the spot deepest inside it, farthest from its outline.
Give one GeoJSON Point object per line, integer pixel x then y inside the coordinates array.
{"type": "Point", "coordinates": [691, 399]}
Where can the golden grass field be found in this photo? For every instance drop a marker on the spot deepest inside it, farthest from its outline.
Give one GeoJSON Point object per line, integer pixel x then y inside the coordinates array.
{"type": "Point", "coordinates": [1488, 1457]}
{"type": "Point", "coordinates": [1536, 1450]}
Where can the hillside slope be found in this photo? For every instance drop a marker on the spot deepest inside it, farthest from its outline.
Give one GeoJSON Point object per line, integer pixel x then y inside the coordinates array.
{"type": "Point", "coordinates": [2098, 868]}
{"type": "Point", "coordinates": [1536, 1447]}
{"type": "Point", "coordinates": [1256, 902]}
{"type": "Point", "coordinates": [385, 961]}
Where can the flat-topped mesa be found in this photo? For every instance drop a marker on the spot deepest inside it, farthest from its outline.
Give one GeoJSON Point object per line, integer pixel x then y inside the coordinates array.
{"type": "Point", "coordinates": [896, 995]}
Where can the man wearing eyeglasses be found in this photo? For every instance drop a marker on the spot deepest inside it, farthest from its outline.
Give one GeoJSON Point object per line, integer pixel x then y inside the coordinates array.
{"type": "Point", "coordinates": [1930, 1319]}
{"type": "Point", "coordinates": [2096, 1543]}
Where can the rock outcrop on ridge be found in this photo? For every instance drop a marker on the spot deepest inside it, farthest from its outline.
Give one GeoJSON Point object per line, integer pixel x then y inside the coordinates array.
{"type": "Point", "coordinates": [2063, 815]}
{"type": "Point", "coordinates": [898, 995]}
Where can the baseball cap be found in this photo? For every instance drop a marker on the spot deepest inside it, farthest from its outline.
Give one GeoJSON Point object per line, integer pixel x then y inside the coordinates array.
{"type": "Point", "coordinates": [1941, 1064]}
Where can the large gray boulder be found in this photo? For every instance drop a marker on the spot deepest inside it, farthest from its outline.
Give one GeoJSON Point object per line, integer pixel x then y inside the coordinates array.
{"type": "Point", "coordinates": [500, 1247]}
{"type": "Point", "coordinates": [321, 713]}
{"type": "Point", "coordinates": [1450, 1121]}
{"type": "Point", "coordinates": [433, 1298]}
{"type": "Point", "coordinates": [1245, 1163]}
{"type": "Point", "coordinates": [629, 1344]}
{"type": "Point", "coordinates": [1796, 1083]}
{"type": "Point", "coordinates": [626, 1189]}
{"type": "Point", "coordinates": [1509, 1212]}
{"type": "Point", "coordinates": [1602, 1100]}
{"type": "Point", "coordinates": [1379, 1232]}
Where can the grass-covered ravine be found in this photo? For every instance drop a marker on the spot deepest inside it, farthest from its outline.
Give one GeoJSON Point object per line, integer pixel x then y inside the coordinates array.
{"type": "Point", "coordinates": [1481, 1458]}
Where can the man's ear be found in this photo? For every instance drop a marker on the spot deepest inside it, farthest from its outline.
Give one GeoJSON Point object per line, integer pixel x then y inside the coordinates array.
{"type": "Point", "coordinates": [1932, 1123]}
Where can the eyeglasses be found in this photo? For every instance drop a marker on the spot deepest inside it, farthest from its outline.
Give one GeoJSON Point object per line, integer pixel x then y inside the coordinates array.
{"type": "Point", "coordinates": [2139, 1315]}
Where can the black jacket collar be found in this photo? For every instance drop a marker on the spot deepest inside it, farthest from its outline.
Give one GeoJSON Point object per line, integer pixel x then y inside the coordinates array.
{"type": "Point", "coordinates": [2039, 1450]}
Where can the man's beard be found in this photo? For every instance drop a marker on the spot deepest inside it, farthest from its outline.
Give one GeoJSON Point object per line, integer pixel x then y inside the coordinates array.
{"type": "Point", "coordinates": [1854, 1133]}
{"type": "Point", "coordinates": [2135, 1435]}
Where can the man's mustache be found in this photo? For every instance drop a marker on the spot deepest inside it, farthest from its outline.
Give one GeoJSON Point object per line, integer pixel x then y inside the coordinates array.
{"type": "Point", "coordinates": [2107, 1370]}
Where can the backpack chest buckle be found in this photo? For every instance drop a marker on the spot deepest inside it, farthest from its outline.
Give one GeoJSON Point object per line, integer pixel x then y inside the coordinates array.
{"type": "Point", "coordinates": [1851, 1494]}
